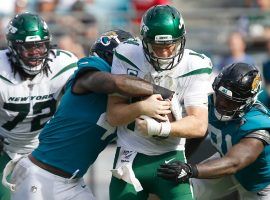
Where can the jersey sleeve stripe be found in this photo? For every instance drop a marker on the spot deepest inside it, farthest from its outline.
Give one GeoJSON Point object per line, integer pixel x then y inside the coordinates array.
{"type": "Point", "coordinates": [261, 135]}
{"type": "Point", "coordinates": [123, 58]}
{"type": "Point", "coordinates": [72, 65]}
{"type": "Point", "coordinates": [198, 71]}
{"type": "Point", "coordinates": [5, 79]}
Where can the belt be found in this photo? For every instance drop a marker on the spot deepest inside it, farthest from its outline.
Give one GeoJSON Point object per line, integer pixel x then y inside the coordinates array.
{"type": "Point", "coordinates": [49, 168]}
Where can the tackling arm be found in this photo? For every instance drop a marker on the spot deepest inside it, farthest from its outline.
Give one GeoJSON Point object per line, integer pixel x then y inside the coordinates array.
{"type": "Point", "coordinates": [240, 155]}
{"type": "Point", "coordinates": [103, 82]}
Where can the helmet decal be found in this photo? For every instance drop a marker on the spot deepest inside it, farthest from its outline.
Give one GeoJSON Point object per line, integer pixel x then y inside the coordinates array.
{"type": "Point", "coordinates": [256, 83]}
{"type": "Point", "coordinates": [225, 91]}
{"type": "Point", "coordinates": [163, 38]}
{"type": "Point", "coordinates": [11, 29]}
{"type": "Point", "coordinates": [181, 23]}
{"type": "Point", "coordinates": [32, 38]}
{"type": "Point", "coordinates": [107, 42]}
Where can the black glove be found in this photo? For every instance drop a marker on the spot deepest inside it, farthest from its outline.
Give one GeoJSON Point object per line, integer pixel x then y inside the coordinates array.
{"type": "Point", "coordinates": [164, 92]}
{"type": "Point", "coordinates": [177, 171]}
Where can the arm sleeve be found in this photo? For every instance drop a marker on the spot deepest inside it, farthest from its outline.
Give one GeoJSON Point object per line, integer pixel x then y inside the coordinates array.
{"type": "Point", "coordinates": [197, 91]}
{"type": "Point", "coordinates": [199, 84]}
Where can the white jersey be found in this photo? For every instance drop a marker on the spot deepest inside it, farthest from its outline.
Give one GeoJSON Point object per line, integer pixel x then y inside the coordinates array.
{"type": "Point", "coordinates": [26, 105]}
{"type": "Point", "coordinates": [190, 80]}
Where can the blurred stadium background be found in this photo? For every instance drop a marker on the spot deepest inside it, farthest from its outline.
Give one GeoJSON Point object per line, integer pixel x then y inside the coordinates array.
{"type": "Point", "coordinates": [75, 24]}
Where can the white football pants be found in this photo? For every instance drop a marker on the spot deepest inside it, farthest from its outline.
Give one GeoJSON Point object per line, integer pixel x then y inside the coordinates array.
{"type": "Point", "coordinates": [34, 183]}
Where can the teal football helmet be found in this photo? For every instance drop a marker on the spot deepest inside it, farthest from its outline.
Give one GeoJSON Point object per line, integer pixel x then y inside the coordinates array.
{"type": "Point", "coordinates": [163, 36]}
{"type": "Point", "coordinates": [28, 41]}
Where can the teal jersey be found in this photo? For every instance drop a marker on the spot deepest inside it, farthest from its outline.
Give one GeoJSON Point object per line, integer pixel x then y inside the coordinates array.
{"type": "Point", "coordinates": [78, 131]}
{"type": "Point", "coordinates": [264, 98]}
{"type": "Point", "coordinates": [225, 134]}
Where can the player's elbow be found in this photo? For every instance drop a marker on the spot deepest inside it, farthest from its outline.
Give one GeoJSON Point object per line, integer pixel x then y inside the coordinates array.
{"type": "Point", "coordinates": [120, 85]}
{"type": "Point", "coordinates": [233, 166]}
{"type": "Point", "coordinates": [201, 130]}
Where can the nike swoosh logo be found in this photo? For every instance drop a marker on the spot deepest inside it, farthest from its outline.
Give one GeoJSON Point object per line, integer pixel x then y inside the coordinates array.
{"type": "Point", "coordinates": [167, 161]}
{"type": "Point", "coordinates": [83, 186]}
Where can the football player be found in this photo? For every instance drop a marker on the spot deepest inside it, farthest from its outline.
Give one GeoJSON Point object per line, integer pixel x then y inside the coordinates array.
{"type": "Point", "coordinates": [32, 76]}
{"type": "Point", "coordinates": [160, 58]}
{"type": "Point", "coordinates": [239, 129]}
{"type": "Point", "coordinates": [73, 138]}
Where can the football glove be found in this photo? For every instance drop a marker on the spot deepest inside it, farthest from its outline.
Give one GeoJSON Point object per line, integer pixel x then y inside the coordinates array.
{"type": "Point", "coordinates": [177, 171]}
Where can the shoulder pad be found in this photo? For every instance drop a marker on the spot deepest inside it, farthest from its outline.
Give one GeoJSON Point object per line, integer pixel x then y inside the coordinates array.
{"type": "Point", "coordinates": [195, 63]}
{"type": "Point", "coordinates": [94, 63]}
{"type": "Point", "coordinates": [258, 118]}
{"type": "Point", "coordinates": [130, 53]}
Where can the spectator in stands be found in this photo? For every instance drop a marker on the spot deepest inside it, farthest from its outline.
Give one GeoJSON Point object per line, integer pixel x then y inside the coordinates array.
{"type": "Point", "coordinates": [140, 6]}
{"type": "Point", "coordinates": [67, 42]}
{"type": "Point", "coordinates": [257, 24]}
{"type": "Point", "coordinates": [46, 6]}
{"type": "Point", "coordinates": [264, 96]}
{"type": "Point", "coordinates": [20, 6]}
{"type": "Point", "coordinates": [237, 47]}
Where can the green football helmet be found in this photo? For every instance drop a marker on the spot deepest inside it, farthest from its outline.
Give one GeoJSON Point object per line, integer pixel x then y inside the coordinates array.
{"type": "Point", "coordinates": [28, 41]}
{"type": "Point", "coordinates": [163, 30]}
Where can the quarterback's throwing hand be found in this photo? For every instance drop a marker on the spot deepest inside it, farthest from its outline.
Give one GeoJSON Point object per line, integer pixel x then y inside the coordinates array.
{"type": "Point", "coordinates": [177, 171]}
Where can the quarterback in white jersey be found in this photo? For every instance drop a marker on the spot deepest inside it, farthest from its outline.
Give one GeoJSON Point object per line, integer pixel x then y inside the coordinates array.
{"type": "Point", "coordinates": [32, 76]}
{"type": "Point", "coordinates": [161, 59]}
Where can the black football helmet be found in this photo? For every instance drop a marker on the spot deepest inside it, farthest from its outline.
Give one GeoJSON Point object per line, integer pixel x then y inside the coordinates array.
{"type": "Point", "coordinates": [107, 42]}
{"type": "Point", "coordinates": [236, 89]}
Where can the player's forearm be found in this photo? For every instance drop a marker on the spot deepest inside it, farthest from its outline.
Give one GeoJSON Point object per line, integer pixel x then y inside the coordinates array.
{"type": "Point", "coordinates": [218, 168]}
{"type": "Point", "coordinates": [189, 127]}
{"type": "Point", "coordinates": [136, 87]}
{"type": "Point", "coordinates": [122, 114]}
{"type": "Point", "coordinates": [104, 82]}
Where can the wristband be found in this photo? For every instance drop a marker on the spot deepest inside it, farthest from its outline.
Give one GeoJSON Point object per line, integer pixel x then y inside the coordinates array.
{"type": "Point", "coordinates": [194, 170]}
{"type": "Point", "coordinates": [165, 129]}
{"type": "Point", "coordinates": [153, 127]}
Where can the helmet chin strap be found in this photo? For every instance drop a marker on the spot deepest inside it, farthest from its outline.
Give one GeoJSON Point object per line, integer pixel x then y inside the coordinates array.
{"type": "Point", "coordinates": [223, 118]}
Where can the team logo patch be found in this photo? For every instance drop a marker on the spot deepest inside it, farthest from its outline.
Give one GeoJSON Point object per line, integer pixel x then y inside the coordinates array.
{"type": "Point", "coordinates": [256, 83]}
{"type": "Point", "coordinates": [132, 72]}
